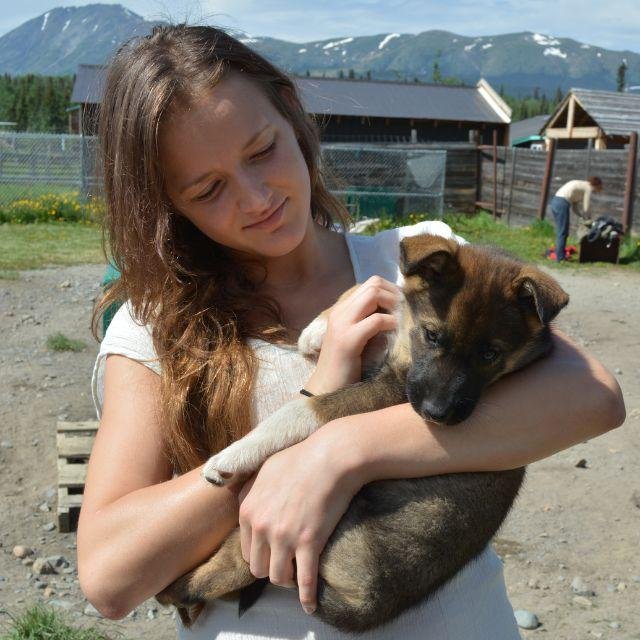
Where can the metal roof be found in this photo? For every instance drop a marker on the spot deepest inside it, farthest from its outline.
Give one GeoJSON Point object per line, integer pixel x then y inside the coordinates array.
{"type": "Point", "coordinates": [617, 114]}
{"type": "Point", "coordinates": [525, 129]}
{"type": "Point", "coordinates": [352, 98]}
{"type": "Point", "coordinates": [395, 100]}
{"type": "Point", "coordinates": [89, 83]}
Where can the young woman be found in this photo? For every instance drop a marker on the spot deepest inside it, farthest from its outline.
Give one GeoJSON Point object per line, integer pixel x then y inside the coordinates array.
{"type": "Point", "coordinates": [226, 239]}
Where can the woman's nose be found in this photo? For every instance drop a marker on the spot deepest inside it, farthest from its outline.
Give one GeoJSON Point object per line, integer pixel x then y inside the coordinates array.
{"type": "Point", "coordinates": [253, 195]}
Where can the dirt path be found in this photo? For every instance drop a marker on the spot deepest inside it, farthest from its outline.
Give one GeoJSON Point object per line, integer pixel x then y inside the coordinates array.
{"type": "Point", "coordinates": [569, 522]}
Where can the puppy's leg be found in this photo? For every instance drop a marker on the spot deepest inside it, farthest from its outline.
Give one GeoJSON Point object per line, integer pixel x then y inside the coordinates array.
{"type": "Point", "coordinates": [297, 420]}
{"type": "Point", "coordinates": [287, 426]}
{"type": "Point", "coordinates": [225, 572]}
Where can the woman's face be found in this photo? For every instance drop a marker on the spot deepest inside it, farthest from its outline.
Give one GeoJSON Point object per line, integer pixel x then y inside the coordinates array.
{"type": "Point", "coordinates": [234, 168]}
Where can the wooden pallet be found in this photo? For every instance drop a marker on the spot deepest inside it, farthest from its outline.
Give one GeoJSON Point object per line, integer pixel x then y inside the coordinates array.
{"type": "Point", "coordinates": [74, 441]}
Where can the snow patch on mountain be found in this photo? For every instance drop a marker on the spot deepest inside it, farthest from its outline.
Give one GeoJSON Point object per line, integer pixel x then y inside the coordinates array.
{"type": "Point", "coordinates": [337, 43]}
{"type": "Point", "coordinates": [386, 39]}
{"type": "Point", "coordinates": [554, 51]}
{"type": "Point", "coordinates": [487, 46]}
{"type": "Point", "coordinates": [44, 21]}
{"type": "Point", "coordinates": [545, 41]}
{"type": "Point", "coordinates": [468, 47]}
{"type": "Point", "coordinates": [66, 24]}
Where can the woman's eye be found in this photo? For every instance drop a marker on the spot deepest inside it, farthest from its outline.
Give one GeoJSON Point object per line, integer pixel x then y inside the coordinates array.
{"type": "Point", "coordinates": [265, 152]}
{"type": "Point", "coordinates": [431, 336]}
{"type": "Point", "coordinates": [208, 193]}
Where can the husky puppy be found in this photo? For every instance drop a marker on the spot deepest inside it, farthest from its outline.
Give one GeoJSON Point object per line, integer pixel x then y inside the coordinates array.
{"type": "Point", "coordinates": [469, 316]}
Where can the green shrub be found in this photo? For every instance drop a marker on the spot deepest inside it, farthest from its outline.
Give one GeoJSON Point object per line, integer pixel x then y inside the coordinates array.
{"type": "Point", "coordinates": [52, 207]}
{"type": "Point", "coordinates": [60, 342]}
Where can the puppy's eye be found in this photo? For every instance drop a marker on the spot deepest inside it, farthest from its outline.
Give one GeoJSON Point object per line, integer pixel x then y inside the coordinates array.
{"type": "Point", "coordinates": [489, 354]}
{"type": "Point", "coordinates": [431, 336]}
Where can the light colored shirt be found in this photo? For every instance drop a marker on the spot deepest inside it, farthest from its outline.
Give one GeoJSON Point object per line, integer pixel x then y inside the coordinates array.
{"type": "Point", "coordinates": [471, 606]}
{"type": "Point", "coordinates": [576, 192]}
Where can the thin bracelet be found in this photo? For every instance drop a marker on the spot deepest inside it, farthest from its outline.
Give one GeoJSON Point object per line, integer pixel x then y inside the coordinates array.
{"type": "Point", "coordinates": [304, 392]}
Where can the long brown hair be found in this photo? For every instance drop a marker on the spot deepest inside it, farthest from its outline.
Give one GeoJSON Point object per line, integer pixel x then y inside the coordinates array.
{"type": "Point", "coordinates": [177, 280]}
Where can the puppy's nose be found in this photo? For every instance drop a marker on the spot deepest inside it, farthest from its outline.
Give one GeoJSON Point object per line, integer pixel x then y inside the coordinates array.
{"type": "Point", "coordinates": [432, 411]}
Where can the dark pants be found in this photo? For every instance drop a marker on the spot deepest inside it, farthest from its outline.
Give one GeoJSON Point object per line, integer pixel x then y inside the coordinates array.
{"type": "Point", "coordinates": [560, 207]}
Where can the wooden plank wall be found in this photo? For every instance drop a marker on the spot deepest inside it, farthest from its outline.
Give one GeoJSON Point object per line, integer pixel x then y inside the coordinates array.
{"type": "Point", "coordinates": [520, 186]}
{"type": "Point", "coordinates": [461, 179]}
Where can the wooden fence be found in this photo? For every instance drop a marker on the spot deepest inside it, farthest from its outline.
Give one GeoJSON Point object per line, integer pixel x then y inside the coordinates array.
{"type": "Point", "coordinates": [520, 175]}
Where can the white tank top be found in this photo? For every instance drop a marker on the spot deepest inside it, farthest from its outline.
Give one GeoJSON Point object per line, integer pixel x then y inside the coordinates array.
{"type": "Point", "coordinates": [471, 606]}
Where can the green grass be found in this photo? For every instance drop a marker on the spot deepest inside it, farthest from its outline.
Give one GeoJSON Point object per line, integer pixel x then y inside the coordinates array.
{"type": "Point", "coordinates": [33, 246]}
{"type": "Point", "coordinates": [42, 623]}
{"type": "Point", "coordinates": [529, 243]}
{"type": "Point", "coordinates": [60, 342]}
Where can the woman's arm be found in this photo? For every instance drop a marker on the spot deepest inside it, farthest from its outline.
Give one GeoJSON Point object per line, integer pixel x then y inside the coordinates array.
{"type": "Point", "coordinates": [300, 493]}
{"type": "Point", "coordinates": [551, 405]}
{"type": "Point", "coordinates": [139, 529]}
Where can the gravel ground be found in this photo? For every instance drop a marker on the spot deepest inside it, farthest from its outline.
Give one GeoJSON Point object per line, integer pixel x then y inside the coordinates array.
{"type": "Point", "coordinates": [569, 522]}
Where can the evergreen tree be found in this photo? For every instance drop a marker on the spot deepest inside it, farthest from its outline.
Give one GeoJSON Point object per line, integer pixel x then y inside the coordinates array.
{"type": "Point", "coordinates": [35, 103]}
{"type": "Point", "coordinates": [341, 74]}
{"type": "Point", "coordinates": [559, 95]}
{"type": "Point", "coordinates": [621, 77]}
{"type": "Point", "coordinates": [436, 76]}
{"type": "Point", "coordinates": [368, 75]}
{"type": "Point", "coordinates": [351, 75]}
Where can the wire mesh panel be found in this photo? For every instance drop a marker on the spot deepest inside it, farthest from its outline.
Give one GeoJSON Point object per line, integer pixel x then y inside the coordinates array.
{"type": "Point", "coordinates": [32, 164]}
{"type": "Point", "coordinates": [376, 181]}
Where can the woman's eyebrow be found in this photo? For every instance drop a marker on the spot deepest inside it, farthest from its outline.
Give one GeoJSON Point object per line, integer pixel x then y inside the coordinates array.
{"type": "Point", "coordinates": [201, 177]}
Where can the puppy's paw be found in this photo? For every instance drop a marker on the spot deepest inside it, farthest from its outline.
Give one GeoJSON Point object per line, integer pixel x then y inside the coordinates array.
{"type": "Point", "coordinates": [310, 340]}
{"type": "Point", "coordinates": [215, 473]}
{"type": "Point", "coordinates": [233, 463]}
{"type": "Point", "coordinates": [181, 595]}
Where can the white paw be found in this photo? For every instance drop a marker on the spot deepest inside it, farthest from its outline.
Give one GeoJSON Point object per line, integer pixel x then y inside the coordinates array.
{"type": "Point", "coordinates": [212, 472]}
{"type": "Point", "coordinates": [310, 340]}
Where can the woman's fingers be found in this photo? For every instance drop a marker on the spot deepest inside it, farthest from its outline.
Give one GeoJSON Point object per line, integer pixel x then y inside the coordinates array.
{"type": "Point", "coordinates": [281, 567]}
{"type": "Point", "coordinates": [374, 324]}
{"type": "Point", "coordinates": [259, 556]}
{"type": "Point", "coordinates": [307, 577]}
{"type": "Point", "coordinates": [375, 291]}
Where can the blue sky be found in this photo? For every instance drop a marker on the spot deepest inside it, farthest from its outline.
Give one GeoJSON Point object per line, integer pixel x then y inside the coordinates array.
{"type": "Point", "coordinates": [614, 24]}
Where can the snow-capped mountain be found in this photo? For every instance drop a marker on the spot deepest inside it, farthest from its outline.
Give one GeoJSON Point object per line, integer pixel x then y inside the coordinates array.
{"type": "Point", "coordinates": [57, 41]}
{"type": "Point", "coordinates": [60, 39]}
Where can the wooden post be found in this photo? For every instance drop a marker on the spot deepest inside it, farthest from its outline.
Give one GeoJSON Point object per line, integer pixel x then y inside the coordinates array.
{"type": "Point", "coordinates": [513, 175]}
{"type": "Point", "coordinates": [571, 115]}
{"type": "Point", "coordinates": [495, 174]}
{"type": "Point", "coordinates": [630, 183]}
{"type": "Point", "coordinates": [546, 181]}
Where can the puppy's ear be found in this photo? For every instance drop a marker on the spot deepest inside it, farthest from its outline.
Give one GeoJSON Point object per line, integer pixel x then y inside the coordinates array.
{"type": "Point", "coordinates": [431, 257]}
{"type": "Point", "coordinates": [540, 292]}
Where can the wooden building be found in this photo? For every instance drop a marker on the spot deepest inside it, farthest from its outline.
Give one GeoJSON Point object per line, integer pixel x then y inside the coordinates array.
{"type": "Point", "coordinates": [366, 111]}
{"type": "Point", "coordinates": [603, 119]}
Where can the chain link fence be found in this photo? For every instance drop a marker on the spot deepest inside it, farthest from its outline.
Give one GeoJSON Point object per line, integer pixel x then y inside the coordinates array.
{"type": "Point", "coordinates": [33, 164]}
{"type": "Point", "coordinates": [372, 180]}
{"type": "Point", "coordinates": [379, 181]}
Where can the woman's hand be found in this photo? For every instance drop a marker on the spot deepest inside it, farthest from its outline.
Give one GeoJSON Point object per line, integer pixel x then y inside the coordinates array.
{"type": "Point", "coordinates": [352, 323]}
{"type": "Point", "coordinates": [289, 509]}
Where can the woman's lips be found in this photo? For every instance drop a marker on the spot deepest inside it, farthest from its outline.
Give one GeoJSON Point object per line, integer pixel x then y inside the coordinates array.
{"type": "Point", "coordinates": [272, 221]}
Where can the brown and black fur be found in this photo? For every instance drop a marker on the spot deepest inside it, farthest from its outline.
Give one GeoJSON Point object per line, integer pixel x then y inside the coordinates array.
{"type": "Point", "coordinates": [470, 316]}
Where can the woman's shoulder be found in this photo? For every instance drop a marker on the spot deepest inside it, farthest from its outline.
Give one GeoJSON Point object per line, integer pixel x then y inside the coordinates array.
{"type": "Point", "coordinates": [379, 254]}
